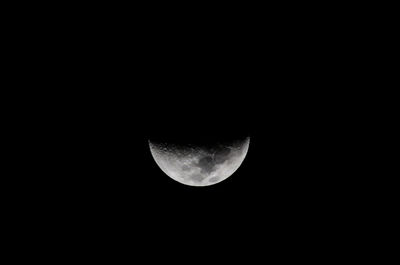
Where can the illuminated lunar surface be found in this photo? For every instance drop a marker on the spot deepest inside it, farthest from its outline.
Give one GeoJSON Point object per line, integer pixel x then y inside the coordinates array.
{"type": "Point", "coordinates": [197, 166]}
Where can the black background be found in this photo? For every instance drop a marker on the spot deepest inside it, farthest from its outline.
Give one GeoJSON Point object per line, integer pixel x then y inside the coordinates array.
{"type": "Point", "coordinates": [115, 87]}
{"type": "Point", "coordinates": [286, 186]}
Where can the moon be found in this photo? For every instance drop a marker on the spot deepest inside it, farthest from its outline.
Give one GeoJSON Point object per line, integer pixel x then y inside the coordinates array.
{"type": "Point", "coordinates": [199, 166]}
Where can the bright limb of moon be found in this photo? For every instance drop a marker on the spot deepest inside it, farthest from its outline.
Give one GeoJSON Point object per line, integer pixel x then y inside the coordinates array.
{"type": "Point", "coordinates": [198, 166]}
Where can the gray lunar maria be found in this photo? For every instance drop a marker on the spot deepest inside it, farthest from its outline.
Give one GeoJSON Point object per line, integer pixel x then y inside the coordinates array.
{"type": "Point", "coordinates": [197, 166]}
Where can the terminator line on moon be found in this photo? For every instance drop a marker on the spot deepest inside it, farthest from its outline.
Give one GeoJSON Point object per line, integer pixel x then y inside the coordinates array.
{"type": "Point", "coordinates": [197, 166]}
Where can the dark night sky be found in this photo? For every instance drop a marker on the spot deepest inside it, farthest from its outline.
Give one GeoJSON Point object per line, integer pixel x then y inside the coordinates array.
{"type": "Point", "coordinates": [280, 94]}
{"type": "Point", "coordinates": [284, 176]}
{"type": "Point", "coordinates": [95, 81]}
{"type": "Point", "coordinates": [273, 99]}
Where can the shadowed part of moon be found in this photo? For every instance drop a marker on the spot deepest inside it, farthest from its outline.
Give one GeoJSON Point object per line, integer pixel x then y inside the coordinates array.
{"type": "Point", "coordinates": [206, 164]}
{"type": "Point", "coordinates": [221, 155]}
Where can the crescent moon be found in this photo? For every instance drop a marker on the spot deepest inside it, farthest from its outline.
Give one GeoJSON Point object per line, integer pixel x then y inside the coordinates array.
{"type": "Point", "coordinates": [197, 166]}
